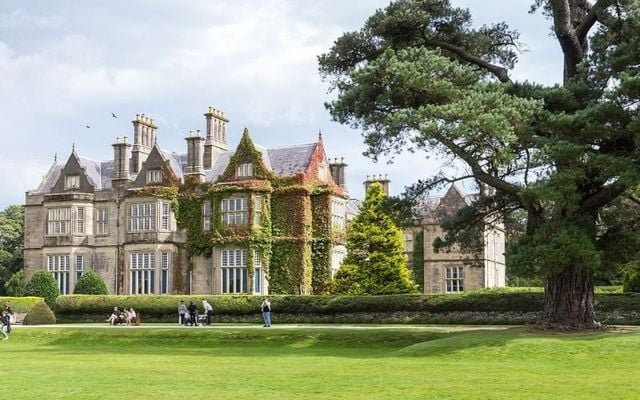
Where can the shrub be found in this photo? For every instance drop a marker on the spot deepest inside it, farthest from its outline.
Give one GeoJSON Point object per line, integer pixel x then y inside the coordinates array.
{"type": "Point", "coordinates": [43, 285]}
{"type": "Point", "coordinates": [40, 314]}
{"type": "Point", "coordinates": [631, 277]}
{"type": "Point", "coordinates": [15, 284]}
{"type": "Point", "coordinates": [90, 283]}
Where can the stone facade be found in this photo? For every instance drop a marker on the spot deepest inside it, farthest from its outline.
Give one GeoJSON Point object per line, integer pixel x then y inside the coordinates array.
{"type": "Point", "coordinates": [455, 271]}
{"type": "Point", "coordinates": [118, 217]}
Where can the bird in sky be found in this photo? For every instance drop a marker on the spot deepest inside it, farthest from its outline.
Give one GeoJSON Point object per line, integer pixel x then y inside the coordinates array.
{"type": "Point", "coordinates": [87, 126]}
{"type": "Point", "coordinates": [114, 115]}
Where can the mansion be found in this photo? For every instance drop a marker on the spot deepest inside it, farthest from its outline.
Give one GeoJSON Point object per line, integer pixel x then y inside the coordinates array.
{"type": "Point", "coordinates": [211, 221]}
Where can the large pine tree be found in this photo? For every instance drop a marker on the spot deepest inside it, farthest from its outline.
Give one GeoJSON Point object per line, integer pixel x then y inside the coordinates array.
{"type": "Point", "coordinates": [420, 75]}
{"type": "Point", "coordinates": [375, 261]}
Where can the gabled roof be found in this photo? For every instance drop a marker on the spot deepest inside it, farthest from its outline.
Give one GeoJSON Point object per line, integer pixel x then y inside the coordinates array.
{"type": "Point", "coordinates": [98, 172]}
{"type": "Point", "coordinates": [175, 162]}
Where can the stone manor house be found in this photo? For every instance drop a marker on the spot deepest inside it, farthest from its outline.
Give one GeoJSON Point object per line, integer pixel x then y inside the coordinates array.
{"type": "Point", "coordinates": [452, 271]}
{"type": "Point", "coordinates": [211, 221]}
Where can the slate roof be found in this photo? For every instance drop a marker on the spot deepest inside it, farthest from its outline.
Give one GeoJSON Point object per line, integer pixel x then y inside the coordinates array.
{"type": "Point", "coordinates": [291, 160]}
{"type": "Point", "coordinates": [283, 161]}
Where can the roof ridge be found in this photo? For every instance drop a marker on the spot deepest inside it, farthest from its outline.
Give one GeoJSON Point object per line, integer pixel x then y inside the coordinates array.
{"type": "Point", "coordinates": [291, 146]}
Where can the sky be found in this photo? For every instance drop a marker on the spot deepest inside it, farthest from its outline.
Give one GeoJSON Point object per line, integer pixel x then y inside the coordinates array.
{"type": "Point", "coordinates": [68, 64]}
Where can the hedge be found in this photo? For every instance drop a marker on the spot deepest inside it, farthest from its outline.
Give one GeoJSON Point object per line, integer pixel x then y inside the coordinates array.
{"type": "Point", "coordinates": [21, 305]}
{"type": "Point", "coordinates": [520, 304]}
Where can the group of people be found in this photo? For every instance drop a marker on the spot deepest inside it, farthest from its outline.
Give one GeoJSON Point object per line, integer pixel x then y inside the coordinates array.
{"type": "Point", "coordinates": [6, 319]}
{"type": "Point", "coordinates": [128, 316]}
{"type": "Point", "coordinates": [189, 314]}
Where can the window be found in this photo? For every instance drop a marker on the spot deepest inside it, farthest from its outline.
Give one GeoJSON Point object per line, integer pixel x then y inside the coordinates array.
{"type": "Point", "coordinates": [164, 264]}
{"type": "Point", "coordinates": [257, 272]}
{"type": "Point", "coordinates": [323, 172]}
{"type": "Point", "coordinates": [338, 253]}
{"type": "Point", "coordinates": [79, 267]}
{"type": "Point", "coordinates": [72, 182]}
{"type": "Point", "coordinates": [257, 210]}
{"type": "Point", "coordinates": [408, 242]}
{"type": "Point", "coordinates": [102, 221]}
{"type": "Point", "coordinates": [80, 220]}
{"type": "Point", "coordinates": [338, 213]}
{"type": "Point", "coordinates": [454, 279]}
{"type": "Point", "coordinates": [234, 211]}
{"type": "Point", "coordinates": [244, 170]}
{"type": "Point", "coordinates": [58, 221]}
{"type": "Point", "coordinates": [143, 217]}
{"type": "Point", "coordinates": [166, 212]}
{"type": "Point", "coordinates": [234, 271]}
{"type": "Point", "coordinates": [206, 216]}
{"type": "Point", "coordinates": [154, 176]}
{"type": "Point", "coordinates": [142, 273]}
{"type": "Point", "coordinates": [58, 265]}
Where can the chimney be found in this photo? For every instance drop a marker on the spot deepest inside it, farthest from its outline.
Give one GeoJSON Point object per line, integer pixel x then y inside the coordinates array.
{"type": "Point", "coordinates": [337, 172]}
{"type": "Point", "coordinates": [216, 141]}
{"type": "Point", "coordinates": [120, 174]}
{"type": "Point", "coordinates": [384, 181]}
{"type": "Point", "coordinates": [194, 155]}
{"type": "Point", "coordinates": [144, 138]}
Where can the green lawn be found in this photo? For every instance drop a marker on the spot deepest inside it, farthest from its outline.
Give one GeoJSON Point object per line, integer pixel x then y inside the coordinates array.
{"type": "Point", "coordinates": [317, 363]}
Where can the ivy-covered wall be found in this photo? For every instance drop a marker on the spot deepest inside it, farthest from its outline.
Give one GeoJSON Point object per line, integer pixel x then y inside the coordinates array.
{"type": "Point", "coordinates": [321, 244]}
{"type": "Point", "coordinates": [290, 267]}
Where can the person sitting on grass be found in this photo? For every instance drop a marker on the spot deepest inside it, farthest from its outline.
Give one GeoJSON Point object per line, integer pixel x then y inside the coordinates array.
{"type": "Point", "coordinates": [115, 316]}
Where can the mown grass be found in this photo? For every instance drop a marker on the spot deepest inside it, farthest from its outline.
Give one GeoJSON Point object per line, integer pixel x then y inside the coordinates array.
{"type": "Point", "coordinates": [317, 363]}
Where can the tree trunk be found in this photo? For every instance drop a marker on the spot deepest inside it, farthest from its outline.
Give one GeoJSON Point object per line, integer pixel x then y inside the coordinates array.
{"type": "Point", "coordinates": [568, 299]}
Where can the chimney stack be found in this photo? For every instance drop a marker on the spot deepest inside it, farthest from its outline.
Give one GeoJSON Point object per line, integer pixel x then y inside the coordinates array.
{"type": "Point", "coordinates": [337, 168]}
{"type": "Point", "coordinates": [384, 181]}
{"type": "Point", "coordinates": [194, 155]}
{"type": "Point", "coordinates": [144, 138]}
{"type": "Point", "coordinates": [120, 174]}
{"type": "Point", "coordinates": [216, 141]}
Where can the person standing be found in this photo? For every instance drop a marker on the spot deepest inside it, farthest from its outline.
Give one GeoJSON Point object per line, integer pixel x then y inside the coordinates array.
{"type": "Point", "coordinates": [207, 310]}
{"type": "Point", "coordinates": [10, 318]}
{"type": "Point", "coordinates": [182, 312]}
{"type": "Point", "coordinates": [193, 313]}
{"type": "Point", "coordinates": [265, 307]}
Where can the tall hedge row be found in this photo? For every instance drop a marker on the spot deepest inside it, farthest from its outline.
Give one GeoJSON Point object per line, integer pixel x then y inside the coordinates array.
{"type": "Point", "coordinates": [20, 305]}
{"type": "Point", "coordinates": [164, 308]}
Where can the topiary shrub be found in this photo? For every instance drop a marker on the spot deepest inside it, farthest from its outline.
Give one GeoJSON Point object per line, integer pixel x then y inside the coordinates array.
{"type": "Point", "coordinates": [631, 277]}
{"type": "Point", "coordinates": [43, 285]}
{"type": "Point", "coordinates": [40, 314]}
{"type": "Point", "coordinates": [90, 283]}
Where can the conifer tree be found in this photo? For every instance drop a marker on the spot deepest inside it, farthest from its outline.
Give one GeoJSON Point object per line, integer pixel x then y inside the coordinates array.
{"type": "Point", "coordinates": [375, 262]}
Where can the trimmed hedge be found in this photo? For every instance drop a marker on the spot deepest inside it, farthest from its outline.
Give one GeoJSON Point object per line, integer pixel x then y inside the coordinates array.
{"type": "Point", "coordinates": [40, 314]}
{"type": "Point", "coordinates": [21, 305]}
{"type": "Point", "coordinates": [521, 305]}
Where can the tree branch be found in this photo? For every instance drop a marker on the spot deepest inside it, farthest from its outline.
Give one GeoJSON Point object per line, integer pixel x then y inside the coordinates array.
{"type": "Point", "coordinates": [591, 18]}
{"type": "Point", "coordinates": [602, 197]}
{"type": "Point", "coordinates": [499, 72]}
{"type": "Point", "coordinates": [477, 170]}
{"type": "Point", "coordinates": [632, 198]}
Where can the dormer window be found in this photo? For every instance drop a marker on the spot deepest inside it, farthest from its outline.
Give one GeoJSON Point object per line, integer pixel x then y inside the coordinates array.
{"type": "Point", "coordinates": [154, 176]}
{"type": "Point", "coordinates": [244, 170]}
{"type": "Point", "coordinates": [71, 182]}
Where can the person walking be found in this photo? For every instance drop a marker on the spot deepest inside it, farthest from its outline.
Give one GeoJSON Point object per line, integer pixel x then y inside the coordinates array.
{"type": "Point", "coordinates": [193, 313]}
{"type": "Point", "coordinates": [11, 319]}
{"type": "Point", "coordinates": [182, 312]}
{"type": "Point", "coordinates": [265, 307]}
{"type": "Point", "coordinates": [5, 324]}
{"type": "Point", "coordinates": [207, 310]}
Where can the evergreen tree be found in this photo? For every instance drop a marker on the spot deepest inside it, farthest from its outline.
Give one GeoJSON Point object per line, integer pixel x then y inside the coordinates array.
{"type": "Point", "coordinates": [375, 261]}
{"type": "Point", "coordinates": [419, 75]}
{"type": "Point", "coordinates": [11, 243]}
